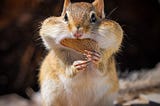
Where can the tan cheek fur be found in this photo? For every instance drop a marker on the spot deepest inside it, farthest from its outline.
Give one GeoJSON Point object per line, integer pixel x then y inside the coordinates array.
{"type": "Point", "coordinates": [113, 34]}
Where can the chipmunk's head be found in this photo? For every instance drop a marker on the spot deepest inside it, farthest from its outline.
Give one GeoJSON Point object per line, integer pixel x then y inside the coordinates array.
{"type": "Point", "coordinates": [82, 18]}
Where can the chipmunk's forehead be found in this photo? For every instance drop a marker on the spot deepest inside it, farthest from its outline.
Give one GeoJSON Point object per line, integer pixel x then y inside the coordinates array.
{"type": "Point", "coordinates": [80, 8]}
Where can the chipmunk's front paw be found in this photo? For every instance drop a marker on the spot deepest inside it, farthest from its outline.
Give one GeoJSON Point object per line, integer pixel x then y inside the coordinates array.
{"type": "Point", "coordinates": [78, 66]}
{"type": "Point", "coordinates": [93, 56]}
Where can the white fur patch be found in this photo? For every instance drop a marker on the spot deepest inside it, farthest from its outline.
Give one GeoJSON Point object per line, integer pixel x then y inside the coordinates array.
{"type": "Point", "coordinates": [48, 89]}
{"type": "Point", "coordinates": [52, 34]}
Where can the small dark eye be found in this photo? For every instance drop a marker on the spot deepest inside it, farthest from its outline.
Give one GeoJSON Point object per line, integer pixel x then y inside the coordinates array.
{"type": "Point", "coordinates": [66, 17]}
{"type": "Point", "coordinates": [93, 18]}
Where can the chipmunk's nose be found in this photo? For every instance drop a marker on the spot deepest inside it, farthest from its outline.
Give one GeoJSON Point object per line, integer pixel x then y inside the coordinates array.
{"type": "Point", "coordinates": [77, 35]}
{"type": "Point", "coordinates": [78, 31]}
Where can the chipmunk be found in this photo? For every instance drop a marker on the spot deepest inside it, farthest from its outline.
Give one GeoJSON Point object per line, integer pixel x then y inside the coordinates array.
{"type": "Point", "coordinates": [70, 78]}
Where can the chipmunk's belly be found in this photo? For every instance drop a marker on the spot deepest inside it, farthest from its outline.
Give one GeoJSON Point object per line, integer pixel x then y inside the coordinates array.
{"type": "Point", "coordinates": [86, 88]}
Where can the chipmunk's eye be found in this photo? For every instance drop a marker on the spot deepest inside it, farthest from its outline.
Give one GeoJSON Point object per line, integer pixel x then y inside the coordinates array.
{"type": "Point", "coordinates": [66, 17]}
{"type": "Point", "coordinates": [93, 18]}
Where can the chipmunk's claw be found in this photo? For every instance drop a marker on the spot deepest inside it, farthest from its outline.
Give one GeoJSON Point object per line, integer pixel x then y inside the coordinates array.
{"type": "Point", "coordinates": [80, 65]}
{"type": "Point", "coordinates": [93, 56]}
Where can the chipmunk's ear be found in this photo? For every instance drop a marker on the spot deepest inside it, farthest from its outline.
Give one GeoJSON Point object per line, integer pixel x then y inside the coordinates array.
{"type": "Point", "coordinates": [99, 6]}
{"type": "Point", "coordinates": [66, 4]}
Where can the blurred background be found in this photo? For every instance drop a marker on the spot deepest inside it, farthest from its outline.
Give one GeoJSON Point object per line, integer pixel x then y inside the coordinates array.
{"type": "Point", "coordinates": [21, 49]}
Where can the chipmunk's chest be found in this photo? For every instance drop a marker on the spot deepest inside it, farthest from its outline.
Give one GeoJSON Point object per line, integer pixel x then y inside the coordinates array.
{"type": "Point", "coordinates": [85, 87]}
